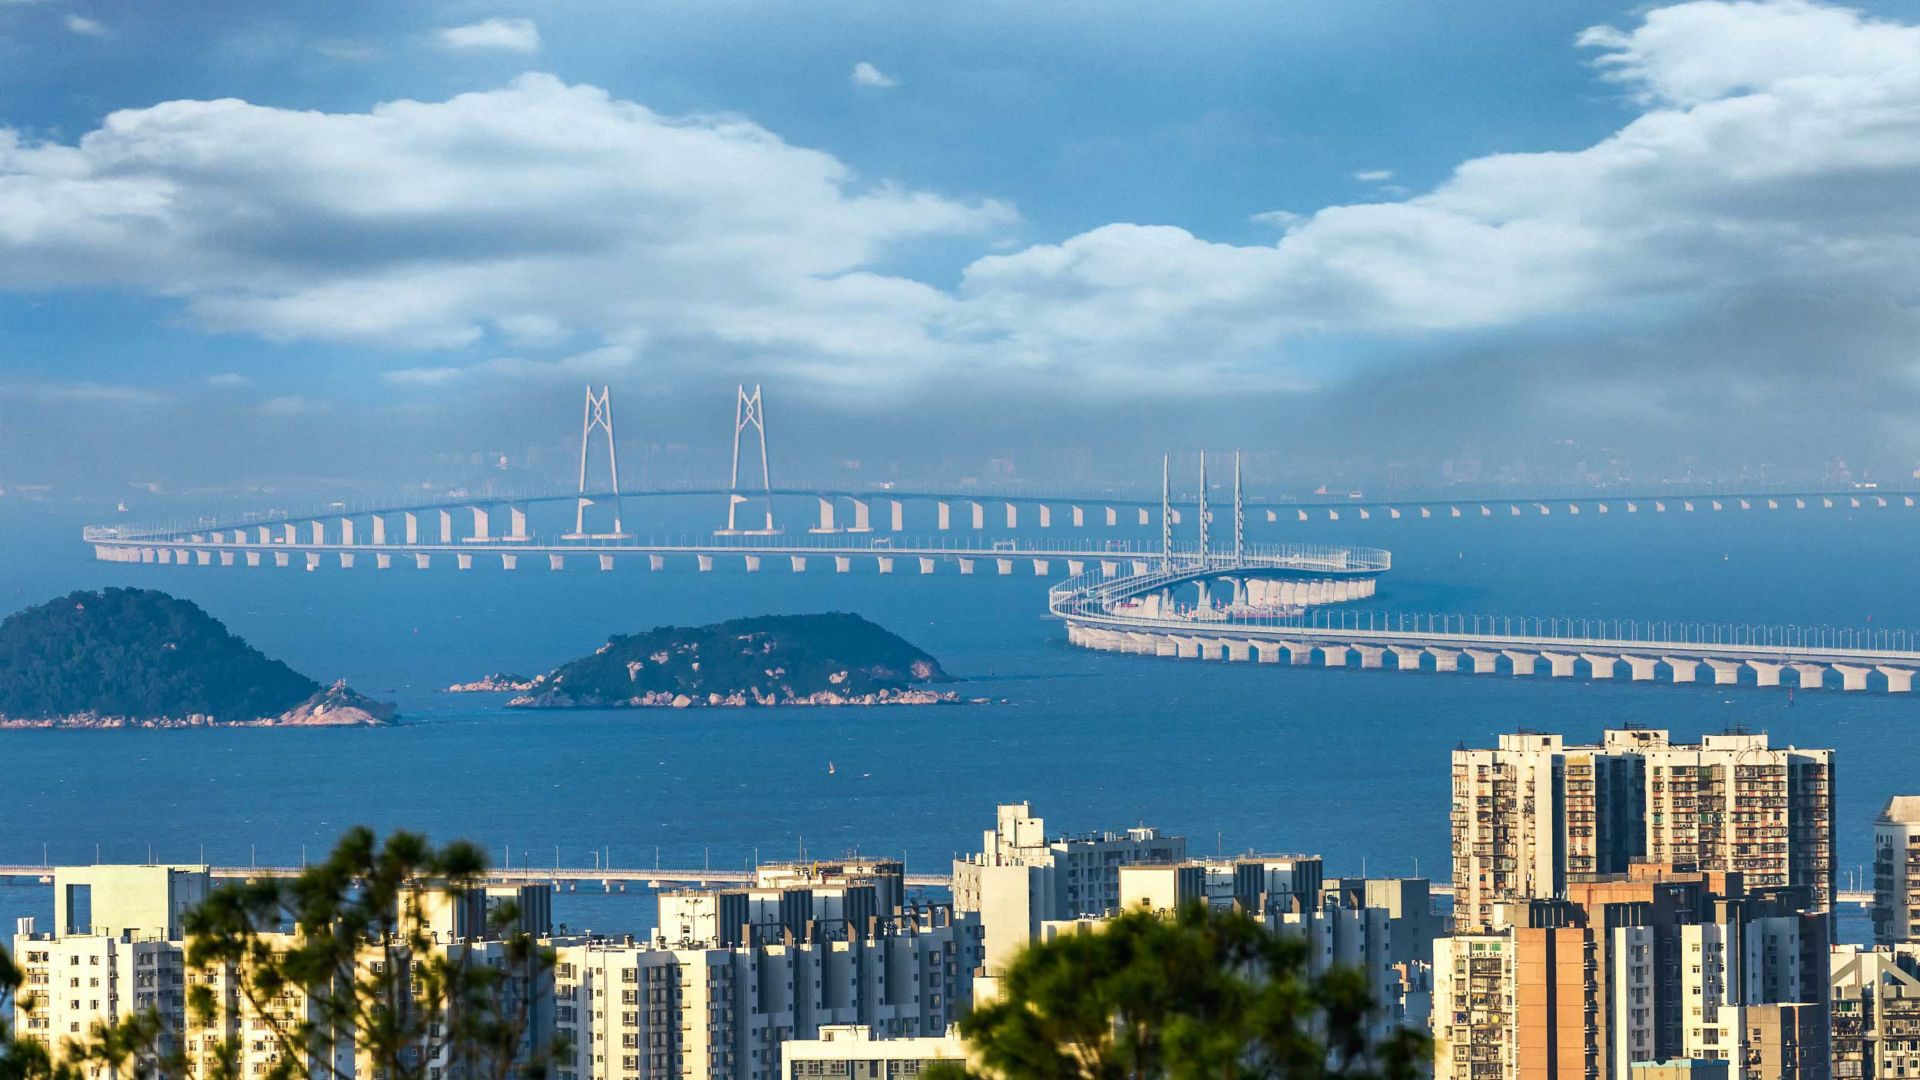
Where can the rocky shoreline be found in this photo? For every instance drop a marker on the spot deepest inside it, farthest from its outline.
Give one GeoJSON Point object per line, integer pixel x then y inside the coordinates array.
{"type": "Point", "coordinates": [336, 706]}
{"type": "Point", "coordinates": [497, 683]}
{"type": "Point", "coordinates": [660, 699]}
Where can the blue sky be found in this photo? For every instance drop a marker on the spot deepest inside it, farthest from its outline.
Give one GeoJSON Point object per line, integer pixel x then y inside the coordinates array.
{"type": "Point", "coordinates": [1360, 234]}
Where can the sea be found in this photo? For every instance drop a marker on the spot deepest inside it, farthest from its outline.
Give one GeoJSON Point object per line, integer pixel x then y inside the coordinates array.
{"type": "Point", "coordinates": [1352, 765]}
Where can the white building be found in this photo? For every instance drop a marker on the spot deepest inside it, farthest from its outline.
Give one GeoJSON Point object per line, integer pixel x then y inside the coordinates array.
{"type": "Point", "coordinates": [1896, 872]}
{"type": "Point", "coordinates": [850, 1052]}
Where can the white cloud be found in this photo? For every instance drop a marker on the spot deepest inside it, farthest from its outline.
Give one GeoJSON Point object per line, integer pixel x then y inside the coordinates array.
{"type": "Point", "coordinates": [510, 35]}
{"type": "Point", "coordinates": [865, 74]}
{"type": "Point", "coordinates": [1373, 176]}
{"type": "Point", "coordinates": [80, 24]}
{"type": "Point", "coordinates": [82, 392]}
{"type": "Point", "coordinates": [228, 380]}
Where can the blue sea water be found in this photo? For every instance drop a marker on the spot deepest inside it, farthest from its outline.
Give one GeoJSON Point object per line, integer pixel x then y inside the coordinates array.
{"type": "Point", "coordinates": [1349, 764]}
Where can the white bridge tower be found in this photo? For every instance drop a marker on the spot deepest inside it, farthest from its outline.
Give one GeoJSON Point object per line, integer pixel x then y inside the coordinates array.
{"type": "Point", "coordinates": [598, 416]}
{"type": "Point", "coordinates": [749, 412]}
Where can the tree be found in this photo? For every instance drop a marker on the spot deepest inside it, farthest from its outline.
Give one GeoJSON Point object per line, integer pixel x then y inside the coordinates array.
{"type": "Point", "coordinates": [383, 962]}
{"type": "Point", "coordinates": [1199, 994]}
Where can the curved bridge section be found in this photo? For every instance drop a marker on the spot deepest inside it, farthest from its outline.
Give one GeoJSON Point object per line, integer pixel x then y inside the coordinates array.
{"type": "Point", "coordinates": [1109, 616]}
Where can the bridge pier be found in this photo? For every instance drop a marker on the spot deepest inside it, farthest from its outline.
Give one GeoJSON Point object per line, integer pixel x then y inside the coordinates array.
{"type": "Point", "coordinates": [896, 515]}
{"type": "Point", "coordinates": [253, 558]}
{"type": "Point", "coordinates": [1265, 652]}
{"type": "Point", "coordinates": [1333, 655]}
{"type": "Point", "coordinates": [379, 527]}
{"type": "Point", "coordinates": [1899, 680]}
{"type": "Point", "coordinates": [656, 562]}
{"type": "Point", "coordinates": [1046, 516]}
{"type": "Point", "coordinates": [1483, 661]}
{"type": "Point", "coordinates": [842, 564]}
{"type": "Point", "coordinates": [606, 562]}
{"type": "Point", "coordinates": [1559, 665]}
{"type": "Point", "coordinates": [1765, 674]}
{"type": "Point", "coordinates": [1143, 644]}
{"type": "Point", "coordinates": [966, 566]}
{"type": "Point", "coordinates": [1684, 671]}
{"type": "Point", "coordinates": [281, 558]}
{"type": "Point", "coordinates": [926, 565]}
{"type": "Point", "coordinates": [509, 561]}
{"type": "Point", "coordinates": [1371, 656]}
{"type": "Point", "coordinates": [798, 563]}
{"type": "Point", "coordinates": [1140, 566]}
{"type": "Point", "coordinates": [1079, 518]}
{"type": "Point", "coordinates": [752, 561]}
{"type": "Point", "coordinates": [1811, 675]}
{"type": "Point", "coordinates": [979, 515]}
{"type": "Point", "coordinates": [1013, 516]}
{"type": "Point", "coordinates": [313, 560]}
{"type": "Point", "coordinates": [1040, 568]}
{"type": "Point", "coordinates": [826, 518]}
{"type": "Point", "coordinates": [382, 561]}
{"type": "Point", "coordinates": [1522, 662]}
{"type": "Point", "coordinates": [446, 527]}
{"type": "Point", "coordinates": [554, 562]}
{"type": "Point", "coordinates": [883, 564]}
{"type": "Point", "coordinates": [1851, 677]}
{"type": "Point", "coordinates": [1640, 668]}
{"type": "Point", "coordinates": [946, 516]}
{"type": "Point", "coordinates": [346, 531]}
{"type": "Point", "coordinates": [1444, 659]}
{"type": "Point", "coordinates": [1405, 658]}
{"type": "Point", "coordinates": [705, 562]}
{"type": "Point", "coordinates": [1725, 672]}
{"type": "Point", "coordinates": [410, 527]}
{"type": "Point", "coordinates": [1601, 666]}
{"type": "Point", "coordinates": [1076, 567]}
{"type": "Point", "coordinates": [1003, 566]}
{"type": "Point", "coordinates": [862, 516]}
{"type": "Point", "coordinates": [1237, 650]}
{"type": "Point", "coordinates": [226, 558]}
{"type": "Point", "coordinates": [480, 523]}
{"type": "Point", "coordinates": [1298, 653]}
{"type": "Point", "coordinates": [1166, 646]}
{"type": "Point", "coordinates": [203, 557]}
{"type": "Point", "coordinates": [517, 523]}
{"type": "Point", "coordinates": [421, 560]}
{"type": "Point", "coordinates": [1109, 568]}
{"type": "Point", "coordinates": [1144, 518]}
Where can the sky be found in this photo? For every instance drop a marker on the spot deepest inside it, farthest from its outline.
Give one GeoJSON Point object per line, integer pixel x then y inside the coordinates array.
{"type": "Point", "coordinates": [374, 243]}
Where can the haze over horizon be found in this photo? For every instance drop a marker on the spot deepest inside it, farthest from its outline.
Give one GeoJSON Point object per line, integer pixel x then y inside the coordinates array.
{"type": "Point", "coordinates": [383, 245]}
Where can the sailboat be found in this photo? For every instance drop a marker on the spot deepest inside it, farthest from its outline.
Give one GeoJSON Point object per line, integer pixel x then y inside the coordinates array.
{"type": "Point", "coordinates": [829, 768]}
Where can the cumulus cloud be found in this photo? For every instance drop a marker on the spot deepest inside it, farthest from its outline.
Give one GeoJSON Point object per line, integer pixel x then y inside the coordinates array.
{"type": "Point", "coordinates": [865, 74]}
{"type": "Point", "coordinates": [229, 380]}
{"type": "Point", "coordinates": [508, 35]}
{"type": "Point", "coordinates": [1373, 176]}
{"type": "Point", "coordinates": [80, 24]}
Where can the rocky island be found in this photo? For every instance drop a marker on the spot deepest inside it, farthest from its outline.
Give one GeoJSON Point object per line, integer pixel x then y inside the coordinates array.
{"type": "Point", "coordinates": [121, 658]}
{"type": "Point", "coordinates": [834, 658]}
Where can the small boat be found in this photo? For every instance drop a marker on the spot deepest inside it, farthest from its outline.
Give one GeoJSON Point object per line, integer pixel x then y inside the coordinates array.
{"type": "Point", "coordinates": [829, 768]}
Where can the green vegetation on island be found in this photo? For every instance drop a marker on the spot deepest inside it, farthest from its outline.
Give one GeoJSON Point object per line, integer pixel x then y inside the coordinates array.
{"type": "Point", "coordinates": [832, 658]}
{"type": "Point", "coordinates": [139, 657]}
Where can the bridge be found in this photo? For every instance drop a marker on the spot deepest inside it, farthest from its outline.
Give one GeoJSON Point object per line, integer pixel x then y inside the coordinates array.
{"type": "Point", "coordinates": [1145, 614]}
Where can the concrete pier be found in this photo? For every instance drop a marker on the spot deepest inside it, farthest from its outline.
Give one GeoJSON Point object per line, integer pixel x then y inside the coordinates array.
{"type": "Point", "coordinates": [842, 564]}
{"type": "Point", "coordinates": [1444, 659]}
{"type": "Point", "coordinates": [1522, 662]}
{"type": "Point", "coordinates": [966, 566]}
{"type": "Point", "coordinates": [1482, 662]}
{"type": "Point", "coordinates": [1334, 655]}
{"type": "Point", "coordinates": [1371, 656]}
{"type": "Point", "coordinates": [884, 564]}
{"type": "Point", "coordinates": [281, 558]}
{"type": "Point", "coordinates": [1003, 566]}
{"type": "Point", "coordinates": [1765, 674]}
{"type": "Point", "coordinates": [1405, 658]}
{"type": "Point", "coordinates": [1684, 671]}
{"type": "Point", "coordinates": [1040, 567]}
{"type": "Point", "coordinates": [1725, 672]}
{"type": "Point", "coordinates": [382, 561]}
{"type": "Point", "coordinates": [705, 563]}
{"type": "Point", "coordinates": [253, 558]}
{"type": "Point", "coordinates": [797, 563]}
{"type": "Point", "coordinates": [1640, 668]}
{"type": "Point", "coordinates": [656, 562]}
{"type": "Point", "coordinates": [1046, 516]}
{"type": "Point", "coordinates": [1899, 680]}
{"type": "Point", "coordinates": [1559, 665]}
{"type": "Point", "coordinates": [1238, 650]}
{"type": "Point", "coordinates": [1851, 677]}
{"type": "Point", "coordinates": [1265, 652]}
{"type": "Point", "coordinates": [422, 560]}
{"type": "Point", "coordinates": [1076, 567]}
{"type": "Point", "coordinates": [554, 562]}
{"type": "Point", "coordinates": [1601, 665]}
{"type": "Point", "coordinates": [926, 565]}
{"type": "Point", "coordinates": [946, 516]}
{"type": "Point", "coordinates": [753, 564]}
{"type": "Point", "coordinates": [509, 561]}
{"type": "Point", "coordinates": [1811, 675]}
{"type": "Point", "coordinates": [1298, 654]}
{"type": "Point", "coordinates": [480, 524]}
{"type": "Point", "coordinates": [1187, 648]}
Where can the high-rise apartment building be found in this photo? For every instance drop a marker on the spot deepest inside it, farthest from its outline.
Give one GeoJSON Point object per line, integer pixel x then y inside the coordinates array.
{"type": "Point", "coordinates": [1022, 878]}
{"type": "Point", "coordinates": [1533, 813]}
{"type": "Point", "coordinates": [1652, 965]}
{"type": "Point", "coordinates": [1876, 1012]}
{"type": "Point", "coordinates": [1896, 872]}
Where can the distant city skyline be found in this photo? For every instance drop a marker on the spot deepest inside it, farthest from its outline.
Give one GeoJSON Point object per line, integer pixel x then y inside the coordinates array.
{"type": "Point", "coordinates": [342, 244]}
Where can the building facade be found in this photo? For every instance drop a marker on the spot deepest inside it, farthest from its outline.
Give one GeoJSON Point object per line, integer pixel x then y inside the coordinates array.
{"type": "Point", "coordinates": [850, 1052]}
{"type": "Point", "coordinates": [1875, 1012]}
{"type": "Point", "coordinates": [1896, 872]}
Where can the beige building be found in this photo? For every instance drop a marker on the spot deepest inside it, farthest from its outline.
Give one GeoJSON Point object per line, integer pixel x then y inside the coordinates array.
{"type": "Point", "coordinates": [1653, 965]}
{"type": "Point", "coordinates": [850, 1052]}
{"type": "Point", "coordinates": [1534, 812]}
{"type": "Point", "coordinates": [1876, 1011]}
{"type": "Point", "coordinates": [1896, 872]}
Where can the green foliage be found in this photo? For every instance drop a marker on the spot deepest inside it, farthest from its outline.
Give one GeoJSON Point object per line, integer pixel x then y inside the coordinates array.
{"type": "Point", "coordinates": [1203, 994]}
{"type": "Point", "coordinates": [343, 966]}
{"type": "Point", "coordinates": [136, 653]}
{"type": "Point", "coordinates": [778, 656]}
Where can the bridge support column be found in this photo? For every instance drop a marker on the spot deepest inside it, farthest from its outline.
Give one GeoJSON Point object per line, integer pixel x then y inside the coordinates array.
{"type": "Point", "coordinates": [263, 534]}
{"type": "Point", "coordinates": [1899, 680]}
{"type": "Point", "coordinates": [842, 564]}
{"type": "Point", "coordinates": [966, 566]}
{"type": "Point", "coordinates": [946, 517]}
{"type": "Point", "coordinates": [798, 563]}
{"type": "Point", "coordinates": [379, 528]}
{"type": "Point", "coordinates": [1444, 659]}
{"type": "Point", "coordinates": [289, 534]}
{"type": "Point", "coordinates": [1109, 568]}
{"type": "Point", "coordinates": [1405, 658]}
{"type": "Point", "coordinates": [705, 562]}
{"type": "Point", "coordinates": [1522, 661]}
{"type": "Point", "coordinates": [347, 531]}
{"type": "Point", "coordinates": [1371, 656]}
{"type": "Point", "coordinates": [1298, 652]}
{"type": "Point", "coordinates": [318, 530]}
{"type": "Point", "coordinates": [753, 563]}
{"type": "Point", "coordinates": [1046, 516]}
{"type": "Point", "coordinates": [1040, 568]}
{"type": "Point", "coordinates": [1076, 567]}
{"type": "Point", "coordinates": [383, 561]}
{"type": "Point", "coordinates": [1640, 668]}
{"type": "Point", "coordinates": [606, 563]}
{"type": "Point", "coordinates": [1851, 677]}
{"type": "Point", "coordinates": [1265, 652]}
{"type": "Point", "coordinates": [422, 560]}
{"type": "Point", "coordinates": [1144, 517]}
{"type": "Point", "coordinates": [313, 560]}
{"type": "Point", "coordinates": [1113, 517]}
{"type": "Point", "coordinates": [509, 561]}
{"type": "Point", "coordinates": [1013, 516]}
{"type": "Point", "coordinates": [1483, 662]}
{"type": "Point", "coordinates": [1166, 646]}
{"type": "Point", "coordinates": [253, 558]}
{"type": "Point", "coordinates": [1333, 655]}
{"type": "Point", "coordinates": [1079, 518]}
{"type": "Point", "coordinates": [1143, 644]}
{"type": "Point", "coordinates": [1811, 675]}
{"type": "Point", "coordinates": [1725, 672]}
{"type": "Point", "coordinates": [926, 565]}
{"type": "Point", "coordinates": [480, 523]}
{"type": "Point", "coordinates": [226, 558]}
{"type": "Point", "coordinates": [656, 562]}
{"type": "Point", "coordinates": [979, 515]}
{"type": "Point", "coordinates": [826, 518]}
{"type": "Point", "coordinates": [1684, 670]}
{"type": "Point", "coordinates": [203, 557]}
{"type": "Point", "coordinates": [862, 517]}
{"type": "Point", "coordinates": [1140, 566]}
{"type": "Point", "coordinates": [516, 523]}
{"type": "Point", "coordinates": [896, 515]}
{"type": "Point", "coordinates": [1602, 665]}
{"type": "Point", "coordinates": [446, 527]}
{"type": "Point", "coordinates": [281, 558]}
{"type": "Point", "coordinates": [1004, 566]}
{"type": "Point", "coordinates": [884, 563]}
{"type": "Point", "coordinates": [410, 527]}
{"type": "Point", "coordinates": [1765, 674]}
{"type": "Point", "coordinates": [554, 562]}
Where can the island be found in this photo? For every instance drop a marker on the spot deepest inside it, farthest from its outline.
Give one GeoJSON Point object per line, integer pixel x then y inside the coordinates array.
{"type": "Point", "coordinates": [118, 658]}
{"type": "Point", "coordinates": [832, 658]}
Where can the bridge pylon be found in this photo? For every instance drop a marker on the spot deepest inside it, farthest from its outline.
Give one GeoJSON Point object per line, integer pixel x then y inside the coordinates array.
{"type": "Point", "coordinates": [1239, 513]}
{"type": "Point", "coordinates": [1166, 509]}
{"type": "Point", "coordinates": [598, 416]}
{"type": "Point", "coordinates": [749, 412]}
{"type": "Point", "coordinates": [1202, 514]}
